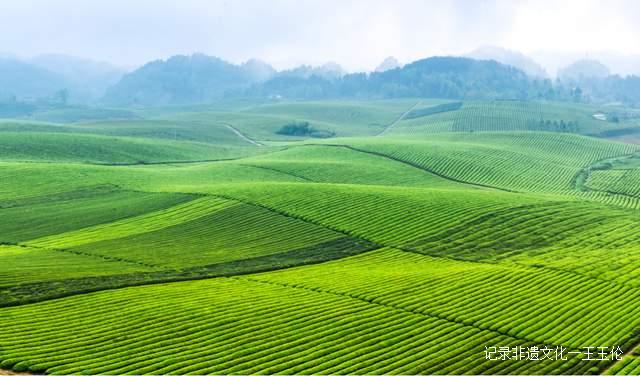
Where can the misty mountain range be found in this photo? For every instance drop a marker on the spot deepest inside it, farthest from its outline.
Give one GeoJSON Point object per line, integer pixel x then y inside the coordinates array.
{"type": "Point", "coordinates": [488, 72]}
{"type": "Point", "coordinates": [512, 58]}
{"type": "Point", "coordinates": [44, 75]}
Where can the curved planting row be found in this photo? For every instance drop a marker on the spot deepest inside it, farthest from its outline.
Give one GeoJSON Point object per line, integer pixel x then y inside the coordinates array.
{"type": "Point", "coordinates": [540, 162]}
{"type": "Point", "coordinates": [477, 117]}
{"type": "Point", "coordinates": [629, 365]}
{"type": "Point", "coordinates": [498, 116]}
{"type": "Point", "coordinates": [82, 148]}
{"type": "Point", "coordinates": [590, 238]}
{"type": "Point", "coordinates": [391, 216]}
{"type": "Point", "coordinates": [21, 265]}
{"type": "Point", "coordinates": [233, 231]}
{"type": "Point", "coordinates": [557, 225]}
{"type": "Point", "coordinates": [226, 326]}
{"type": "Point", "coordinates": [537, 305]}
{"type": "Point", "coordinates": [471, 224]}
{"type": "Point", "coordinates": [611, 199]}
{"type": "Point", "coordinates": [45, 215]}
{"type": "Point", "coordinates": [608, 251]}
{"type": "Point", "coordinates": [624, 182]}
{"type": "Point", "coordinates": [135, 225]}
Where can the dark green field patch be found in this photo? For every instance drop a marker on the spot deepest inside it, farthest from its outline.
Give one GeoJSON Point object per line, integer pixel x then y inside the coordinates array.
{"type": "Point", "coordinates": [64, 212]}
{"type": "Point", "coordinates": [30, 292]}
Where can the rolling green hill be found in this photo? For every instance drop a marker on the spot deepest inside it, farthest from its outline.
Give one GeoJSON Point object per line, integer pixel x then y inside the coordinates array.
{"type": "Point", "coordinates": [517, 161]}
{"type": "Point", "coordinates": [502, 115]}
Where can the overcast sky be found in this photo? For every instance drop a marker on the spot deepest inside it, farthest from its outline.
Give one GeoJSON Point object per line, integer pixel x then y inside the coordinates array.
{"type": "Point", "coordinates": [356, 34]}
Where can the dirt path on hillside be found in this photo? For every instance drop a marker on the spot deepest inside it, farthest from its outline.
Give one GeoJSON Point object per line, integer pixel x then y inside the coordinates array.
{"type": "Point", "coordinates": [388, 127]}
{"type": "Point", "coordinates": [581, 179]}
{"type": "Point", "coordinates": [241, 135]}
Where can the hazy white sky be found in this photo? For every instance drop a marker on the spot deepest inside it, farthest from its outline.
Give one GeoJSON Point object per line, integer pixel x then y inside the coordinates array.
{"type": "Point", "coordinates": [355, 33]}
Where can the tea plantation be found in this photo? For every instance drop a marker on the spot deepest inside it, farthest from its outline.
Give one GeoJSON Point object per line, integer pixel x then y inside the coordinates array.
{"type": "Point", "coordinates": [409, 238]}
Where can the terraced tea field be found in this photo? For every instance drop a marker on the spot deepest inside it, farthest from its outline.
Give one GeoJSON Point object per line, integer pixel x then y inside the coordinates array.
{"type": "Point", "coordinates": [423, 234]}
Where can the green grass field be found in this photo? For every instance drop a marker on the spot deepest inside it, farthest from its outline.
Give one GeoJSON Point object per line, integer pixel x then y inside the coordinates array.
{"type": "Point", "coordinates": [199, 240]}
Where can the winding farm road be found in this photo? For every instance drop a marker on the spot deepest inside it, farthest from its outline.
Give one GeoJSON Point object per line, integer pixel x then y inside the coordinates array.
{"type": "Point", "coordinates": [242, 135]}
{"type": "Point", "coordinates": [402, 116]}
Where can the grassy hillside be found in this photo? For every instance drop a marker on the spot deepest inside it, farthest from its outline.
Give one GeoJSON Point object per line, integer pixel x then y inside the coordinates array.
{"type": "Point", "coordinates": [262, 122]}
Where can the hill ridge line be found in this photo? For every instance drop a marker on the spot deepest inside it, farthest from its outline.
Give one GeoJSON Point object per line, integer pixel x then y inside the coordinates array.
{"type": "Point", "coordinates": [278, 171]}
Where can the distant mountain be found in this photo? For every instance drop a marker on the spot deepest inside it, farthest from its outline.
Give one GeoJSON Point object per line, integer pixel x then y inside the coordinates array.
{"type": "Point", "coordinates": [199, 79]}
{"type": "Point", "coordinates": [327, 71]}
{"type": "Point", "coordinates": [452, 77]}
{"type": "Point", "coordinates": [582, 70]}
{"type": "Point", "coordinates": [388, 64]}
{"type": "Point", "coordinates": [442, 77]}
{"type": "Point", "coordinates": [27, 81]}
{"type": "Point", "coordinates": [597, 85]}
{"type": "Point", "coordinates": [185, 79]}
{"type": "Point", "coordinates": [508, 57]}
{"type": "Point", "coordinates": [87, 79]}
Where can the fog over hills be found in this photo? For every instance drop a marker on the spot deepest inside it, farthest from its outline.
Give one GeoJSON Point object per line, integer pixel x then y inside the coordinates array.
{"type": "Point", "coordinates": [200, 78]}
{"type": "Point", "coordinates": [88, 79]}
{"type": "Point", "coordinates": [508, 57]}
{"type": "Point", "coordinates": [620, 64]}
{"type": "Point", "coordinates": [82, 80]}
